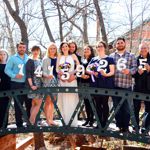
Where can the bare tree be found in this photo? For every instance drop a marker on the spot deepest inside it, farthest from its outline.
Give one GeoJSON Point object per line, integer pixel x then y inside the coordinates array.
{"type": "Point", "coordinates": [51, 38]}
{"type": "Point", "coordinates": [18, 20]}
{"type": "Point", "coordinates": [100, 21]}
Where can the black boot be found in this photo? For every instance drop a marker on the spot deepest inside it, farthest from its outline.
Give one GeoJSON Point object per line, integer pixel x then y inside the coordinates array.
{"type": "Point", "coordinates": [86, 123]}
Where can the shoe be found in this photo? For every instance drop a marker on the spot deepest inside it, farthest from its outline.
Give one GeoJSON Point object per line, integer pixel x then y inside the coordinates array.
{"type": "Point", "coordinates": [124, 130]}
{"type": "Point", "coordinates": [53, 124]}
{"type": "Point", "coordinates": [86, 123]}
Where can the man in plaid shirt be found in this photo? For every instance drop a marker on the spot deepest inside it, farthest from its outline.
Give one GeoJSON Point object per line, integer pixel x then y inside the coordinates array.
{"type": "Point", "coordinates": [126, 66]}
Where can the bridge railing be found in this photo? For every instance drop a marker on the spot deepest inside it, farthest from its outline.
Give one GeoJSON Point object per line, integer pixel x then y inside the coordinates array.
{"type": "Point", "coordinates": [84, 92]}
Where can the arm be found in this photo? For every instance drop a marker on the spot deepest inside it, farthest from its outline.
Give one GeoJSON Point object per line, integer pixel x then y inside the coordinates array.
{"type": "Point", "coordinates": [9, 68]}
{"type": "Point", "coordinates": [29, 74]}
{"type": "Point", "coordinates": [76, 59]}
{"type": "Point", "coordinates": [111, 73]}
{"type": "Point", "coordinates": [133, 68]}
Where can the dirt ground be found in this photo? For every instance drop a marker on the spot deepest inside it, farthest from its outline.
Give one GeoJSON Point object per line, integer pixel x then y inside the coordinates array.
{"type": "Point", "coordinates": [59, 142]}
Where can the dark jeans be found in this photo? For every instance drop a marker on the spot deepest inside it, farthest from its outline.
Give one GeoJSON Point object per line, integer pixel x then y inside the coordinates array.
{"type": "Point", "coordinates": [4, 101]}
{"type": "Point", "coordinates": [123, 115]}
{"type": "Point", "coordinates": [101, 104]}
{"type": "Point", "coordinates": [22, 99]}
{"type": "Point", "coordinates": [88, 110]}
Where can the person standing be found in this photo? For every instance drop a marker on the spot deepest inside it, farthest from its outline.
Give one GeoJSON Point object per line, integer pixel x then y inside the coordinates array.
{"type": "Point", "coordinates": [142, 79]}
{"type": "Point", "coordinates": [102, 76]}
{"type": "Point", "coordinates": [50, 80]}
{"type": "Point", "coordinates": [65, 68]}
{"type": "Point", "coordinates": [73, 49]}
{"type": "Point", "coordinates": [126, 66]}
{"type": "Point", "coordinates": [15, 69]}
{"type": "Point", "coordinates": [88, 54]}
{"type": "Point", "coordinates": [34, 81]}
{"type": "Point", "coordinates": [4, 85]}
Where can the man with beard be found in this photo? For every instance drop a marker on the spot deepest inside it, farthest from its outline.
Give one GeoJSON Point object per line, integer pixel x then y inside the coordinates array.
{"type": "Point", "coordinates": [125, 67]}
{"type": "Point", "coordinates": [15, 69]}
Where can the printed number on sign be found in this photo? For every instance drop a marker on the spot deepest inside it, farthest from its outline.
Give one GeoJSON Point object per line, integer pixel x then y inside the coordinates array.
{"type": "Point", "coordinates": [80, 70]}
{"type": "Point", "coordinates": [65, 75]}
{"type": "Point", "coordinates": [50, 68]}
{"type": "Point", "coordinates": [20, 66]}
{"type": "Point", "coordinates": [121, 64]}
{"type": "Point", "coordinates": [142, 63]}
{"type": "Point", "coordinates": [38, 71]}
{"type": "Point", "coordinates": [102, 65]}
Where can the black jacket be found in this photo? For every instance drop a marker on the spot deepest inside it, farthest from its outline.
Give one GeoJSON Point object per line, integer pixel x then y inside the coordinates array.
{"type": "Point", "coordinates": [142, 82]}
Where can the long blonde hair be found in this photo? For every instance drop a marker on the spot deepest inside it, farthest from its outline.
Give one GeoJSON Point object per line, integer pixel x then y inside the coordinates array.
{"type": "Point", "coordinates": [47, 51]}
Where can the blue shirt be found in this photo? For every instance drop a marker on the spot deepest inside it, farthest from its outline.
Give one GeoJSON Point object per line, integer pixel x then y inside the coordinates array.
{"type": "Point", "coordinates": [16, 65]}
{"type": "Point", "coordinates": [101, 81]}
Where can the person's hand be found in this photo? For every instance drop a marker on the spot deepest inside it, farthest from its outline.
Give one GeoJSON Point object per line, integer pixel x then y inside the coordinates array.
{"type": "Point", "coordinates": [103, 73]}
{"type": "Point", "coordinates": [125, 71]}
{"type": "Point", "coordinates": [85, 76]}
{"type": "Point", "coordinates": [71, 78]}
{"type": "Point", "coordinates": [19, 76]}
{"type": "Point", "coordinates": [147, 67]}
{"type": "Point", "coordinates": [50, 77]}
{"type": "Point", "coordinates": [34, 87]}
{"type": "Point", "coordinates": [95, 74]}
{"type": "Point", "coordinates": [140, 71]}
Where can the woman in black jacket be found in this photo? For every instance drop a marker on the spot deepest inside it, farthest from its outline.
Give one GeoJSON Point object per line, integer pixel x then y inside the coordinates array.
{"type": "Point", "coordinates": [4, 85]}
{"type": "Point", "coordinates": [85, 80]}
{"type": "Point", "coordinates": [142, 79]}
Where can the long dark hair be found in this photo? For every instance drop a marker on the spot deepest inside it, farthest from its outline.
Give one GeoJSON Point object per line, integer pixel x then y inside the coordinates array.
{"type": "Point", "coordinates": [92, 52]}
{"type": "Point", "coordinates": [60, 47]}
{"type": "Point", "coordinates": [72, 42]}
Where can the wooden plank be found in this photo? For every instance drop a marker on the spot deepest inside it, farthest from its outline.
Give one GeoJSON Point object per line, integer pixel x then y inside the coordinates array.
{"type": "Point", "coordinates": [86, 147]}
{"type": "Point", "coordinates": [131, 147]}
{"type": "Point", "coordinates": [25, 143]}
{"type": "Point", "coordinates": [8, 142]}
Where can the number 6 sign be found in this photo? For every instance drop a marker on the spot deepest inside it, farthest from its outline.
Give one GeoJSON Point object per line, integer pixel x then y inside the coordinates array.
{"type": "Point", "coordinates": [121, 64]}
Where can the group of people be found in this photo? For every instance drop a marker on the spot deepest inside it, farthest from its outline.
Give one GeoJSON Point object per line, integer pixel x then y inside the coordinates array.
{"type": "Point", "coordinates": [99, 70]}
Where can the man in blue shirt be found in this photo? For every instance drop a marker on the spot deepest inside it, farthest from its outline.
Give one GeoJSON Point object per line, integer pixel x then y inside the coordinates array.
{"type": "Point", "coordinates": [15, 69]}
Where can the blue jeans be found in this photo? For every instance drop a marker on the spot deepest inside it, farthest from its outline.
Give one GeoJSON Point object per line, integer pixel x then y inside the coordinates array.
{"type": "Point", "coordinates": [122, 117]}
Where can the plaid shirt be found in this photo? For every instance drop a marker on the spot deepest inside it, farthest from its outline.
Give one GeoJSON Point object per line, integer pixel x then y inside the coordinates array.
{"type": "Point", "coordinates": [122, 80]}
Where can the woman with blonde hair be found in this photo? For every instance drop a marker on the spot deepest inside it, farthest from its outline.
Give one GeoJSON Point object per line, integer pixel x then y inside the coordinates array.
{"type": "Point", "coordinates": [50, 80]}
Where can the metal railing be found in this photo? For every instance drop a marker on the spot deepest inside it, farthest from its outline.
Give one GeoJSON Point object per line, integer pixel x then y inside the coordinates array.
{"type": "Point", "coordinates": [84, 92]}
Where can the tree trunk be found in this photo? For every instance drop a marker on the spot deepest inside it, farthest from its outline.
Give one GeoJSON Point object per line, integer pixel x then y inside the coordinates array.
{"type": "Point", "coordinates": [85, 32]}
{"type": "Point", "coordinates": [60, 22]}
{"type": "Point", "coordinates": [46, 23]}
{"type": "Point", "coordinates": [39, 141]}
{"type": "Point", "coordinates": [19, 21]}
{"type": "Point", "coordinates": [97, 29]}
{"type": "Point", "coordinates": [10, 37]}
{"type": "Point", "coordinates": [100, 20]}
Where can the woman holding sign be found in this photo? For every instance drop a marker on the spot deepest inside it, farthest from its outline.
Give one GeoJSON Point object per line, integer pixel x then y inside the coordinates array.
{"type": "Point", "coordinates": [50, 80]}
{"type": "Point", "coordinates": [88, 54]}
{"type": "Point", "coordinates": [101, 68]}
{"type": "Point", "coordinates": [34, 74]}
{"type": "Point", "coordinates": [142, 79]}
{"type": "Point", "coordinates": [65, 68]}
